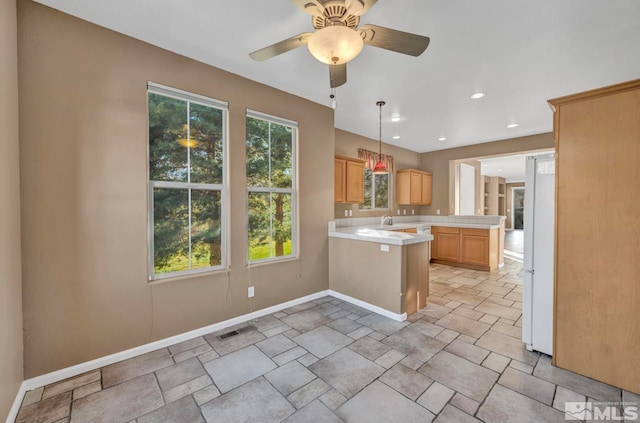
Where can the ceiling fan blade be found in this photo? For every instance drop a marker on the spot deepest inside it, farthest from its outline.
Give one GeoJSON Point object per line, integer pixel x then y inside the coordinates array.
{"type": "Point", "coordinates": [359, 7]}
{"type": "Point", "coordinates": [310, 7]}
{"type": "Point", "coordinates": [392, 39]}
{"type": "Point", "coordinates": [337, 75]}
{"type": "Point", "coordinates": [281, 47]}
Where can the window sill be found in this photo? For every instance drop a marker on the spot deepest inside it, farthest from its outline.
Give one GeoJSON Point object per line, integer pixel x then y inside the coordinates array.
{"type": "Point", "coordinates": [205, 273]}
{"type": "Point", "coordinates": [272, 261]}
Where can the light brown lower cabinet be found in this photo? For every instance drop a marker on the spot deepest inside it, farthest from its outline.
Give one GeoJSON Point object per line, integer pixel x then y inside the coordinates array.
{"type": "Point", "coordinates": [465, 247]}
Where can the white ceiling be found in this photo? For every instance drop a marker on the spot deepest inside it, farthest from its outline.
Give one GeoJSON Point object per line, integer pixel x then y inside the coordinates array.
{"type": "Point", "coordinates": [511, 168]}
{"type": "Point", "coordinates": [519, 52]}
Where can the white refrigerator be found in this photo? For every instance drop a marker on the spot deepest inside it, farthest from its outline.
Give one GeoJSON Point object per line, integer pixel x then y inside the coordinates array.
{"type": "Point", "coordinates": [537, 297]}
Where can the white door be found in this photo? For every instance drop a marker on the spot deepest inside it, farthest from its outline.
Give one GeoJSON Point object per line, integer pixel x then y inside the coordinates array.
{"type": "Point", "coordinates": [537, 301]}
{"type": "Point", "coordinates": [467, 190]}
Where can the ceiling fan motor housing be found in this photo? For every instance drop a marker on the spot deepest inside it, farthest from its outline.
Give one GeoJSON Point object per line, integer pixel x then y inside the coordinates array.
{"type": "Point", "coordinates": [335, 13]}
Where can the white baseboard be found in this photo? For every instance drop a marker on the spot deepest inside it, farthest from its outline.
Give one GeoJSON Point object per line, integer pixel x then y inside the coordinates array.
{"type": "Point", "coordinates": [13, 413]}
{"type": "Point", "coordinates": [98, 363]}
{"type": "Point", "coordinates": [78, 369]}
{"type": "Point", "coordinates": [386, 313]}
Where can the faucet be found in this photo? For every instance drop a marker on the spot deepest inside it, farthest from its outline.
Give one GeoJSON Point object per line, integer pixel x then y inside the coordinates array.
{"type": "Point", "coordinates": [386, 220]}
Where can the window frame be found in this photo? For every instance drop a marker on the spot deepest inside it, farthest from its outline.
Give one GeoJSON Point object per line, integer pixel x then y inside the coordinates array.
{"type": "Point", "coordinates": [159, 89]}
{"type": "Point", "coordinates": [373, 193]}
{"type": "Point", "coordinates": [293, 190]}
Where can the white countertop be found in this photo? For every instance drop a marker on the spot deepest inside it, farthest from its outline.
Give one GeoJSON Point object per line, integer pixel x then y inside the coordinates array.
{"type": "Point", "coordinates": [382, 234]}
{"type": "Point", "coordinates": [464, 225]}
{"type": "Point", "coordinates": [385, 234]}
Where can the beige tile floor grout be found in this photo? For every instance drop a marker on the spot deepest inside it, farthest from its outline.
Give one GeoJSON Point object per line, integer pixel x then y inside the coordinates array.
{"type": "Point", "coordinates": [460, 359]}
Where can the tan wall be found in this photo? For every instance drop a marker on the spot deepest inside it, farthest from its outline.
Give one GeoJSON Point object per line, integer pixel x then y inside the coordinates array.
{"type": "Point", "coordinates": [10, 278]}
{"type": "Point", "coordinates": [509, 194]}
{"type": "Point", "coordinates": [360, 270]}
{"type": "Point", "coordinates": [84, 194]}
{"type": "Point", "coordinates": [347, 144]}
{"type": "Point", "coordinates": [438, 163]}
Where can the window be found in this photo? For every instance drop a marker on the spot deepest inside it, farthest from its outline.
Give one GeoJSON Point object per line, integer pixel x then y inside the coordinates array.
{"type": "Point", "coordinates": [187, 138]}
{"type": "Point", "coordinates": [376, 191]}
{"type": "Point", "coordinates": [271, 187]}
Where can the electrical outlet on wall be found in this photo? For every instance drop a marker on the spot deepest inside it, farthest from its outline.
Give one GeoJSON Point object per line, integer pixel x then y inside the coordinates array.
{"type": "Point", "coordinates": [398, 212]}
{"type": "Point", "coordinates": [350, 212]}
{"type": "Point", "coordinates": [404, 211]}
{"type": "Point", "coordinates": [413, 211]}
{"type": "Point", "coordinates": [250, 292]}
{"type": "Point", "coordinates": [346, 212]}
{"type": "Point", "coordinates": [438, 211]}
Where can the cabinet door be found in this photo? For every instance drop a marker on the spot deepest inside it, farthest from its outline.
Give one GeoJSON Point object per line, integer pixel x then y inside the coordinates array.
{"type": "Point", "coordinates": [339, 180]}
{"type": "Point", "coordinates": [475, 249]}
{"type": "Point", "coordinates": [416, 188]}
{"type": "Point", "coordinates": [426, 189]}
{"type": "Point", "coordinates": [355, 182]}
{"type": "Point", "coordinates": [448, 246]}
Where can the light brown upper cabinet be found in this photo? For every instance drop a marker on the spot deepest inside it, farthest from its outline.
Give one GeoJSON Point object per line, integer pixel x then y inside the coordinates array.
{"type": "Point", "coordinates": [597, 263]}
{"type": "Point", "coordinates": [348, 174]}
{"type": "Point", "coordinates": [414, 187]}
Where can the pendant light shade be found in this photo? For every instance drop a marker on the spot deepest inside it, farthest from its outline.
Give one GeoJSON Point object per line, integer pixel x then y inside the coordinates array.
{"type": "Point", "coordinates": [380, 167]}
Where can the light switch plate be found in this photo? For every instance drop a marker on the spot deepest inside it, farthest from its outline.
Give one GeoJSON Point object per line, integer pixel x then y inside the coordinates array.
{"type": "Point", "coordinates": [384, 247]}
{"type": "Point", "coordinates": [251, 292]}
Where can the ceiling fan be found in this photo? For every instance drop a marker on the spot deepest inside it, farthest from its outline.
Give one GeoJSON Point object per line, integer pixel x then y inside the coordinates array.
{"type": "Point", "coordinates": [337, 38]}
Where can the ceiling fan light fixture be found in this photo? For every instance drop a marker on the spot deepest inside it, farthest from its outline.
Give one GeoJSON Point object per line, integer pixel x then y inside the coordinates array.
{"type": "Point", "coordinates": [191, 143]}
{"type": "Point", "coordinates": [335, 45]}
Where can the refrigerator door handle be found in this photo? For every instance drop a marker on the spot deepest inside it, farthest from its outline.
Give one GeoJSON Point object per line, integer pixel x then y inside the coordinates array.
{"type": "Point", "coordinates": [530, 271]}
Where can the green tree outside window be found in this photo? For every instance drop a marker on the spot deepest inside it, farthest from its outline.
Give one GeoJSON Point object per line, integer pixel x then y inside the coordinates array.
{"type": "Point", "coordinates": [186, 159]}
{"type": "Point", "coordinates": [271, 190]}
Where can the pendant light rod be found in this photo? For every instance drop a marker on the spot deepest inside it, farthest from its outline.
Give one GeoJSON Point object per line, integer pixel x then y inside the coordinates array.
{"type": "Point", "coordinates": [380, 167]}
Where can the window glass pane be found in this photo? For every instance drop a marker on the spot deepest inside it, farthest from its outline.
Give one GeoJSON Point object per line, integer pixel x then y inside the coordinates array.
{"type": "Point", "coordinates": [281, 153]}
{"type": "Point", "coordinates": [167, 128]}
{"type": "Point", "coordinates": [282, 229]}
{"type": "Point", "coordinates": [170, 230]}
{"type": "Point", "coordinates": [257, 152]}
{"type": "Point", "coordinates": [206, 144]}
{"type": "Point", "coordinates": [366, 205]}
{"type": "Point", "coordinates": [206, 234]}
{"type": "Point", "coordinates": [259, 225]}
{"type": "Point", "coordinates": [382, 191]}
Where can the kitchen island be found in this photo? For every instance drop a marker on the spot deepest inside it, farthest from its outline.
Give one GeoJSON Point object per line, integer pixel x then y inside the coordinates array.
{"type": "Point", "coordinates": [380, 267]}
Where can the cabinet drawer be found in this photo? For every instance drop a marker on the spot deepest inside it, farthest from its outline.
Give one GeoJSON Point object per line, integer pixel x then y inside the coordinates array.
{"type": "Point", "coordinates": [447, 230]}
{"type": "Point", "coordinates": [475, 232]}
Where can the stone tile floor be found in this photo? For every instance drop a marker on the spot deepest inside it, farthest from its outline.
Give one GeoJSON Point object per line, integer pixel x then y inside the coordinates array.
{"type": "Point", "coordinates": [460, 359]}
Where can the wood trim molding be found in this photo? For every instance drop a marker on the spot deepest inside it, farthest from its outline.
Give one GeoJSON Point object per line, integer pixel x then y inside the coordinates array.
{"type": "Point", "coordinates": [598, 92]}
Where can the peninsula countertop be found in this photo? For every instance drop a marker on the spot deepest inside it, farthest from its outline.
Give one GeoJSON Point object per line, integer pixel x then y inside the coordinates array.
{"type": "Point", "coordinates": [382, 234]}
{"type": "Point", "coordinates": [370, 229]}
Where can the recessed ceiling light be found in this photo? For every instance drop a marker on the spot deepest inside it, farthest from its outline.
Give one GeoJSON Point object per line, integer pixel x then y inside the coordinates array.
{"type": "Point", "coordinates": [499, 170]}
{"type": "Point", "coordinates": [512, 125]}
{"type": "Point", "coordinates": [396, 137]}
{"type": "Point", "coordinates": [477, 95]}
{"type": "Point", "coordinates": [396, 119]}
{"type": "Point", "coordinates": [442, 139]}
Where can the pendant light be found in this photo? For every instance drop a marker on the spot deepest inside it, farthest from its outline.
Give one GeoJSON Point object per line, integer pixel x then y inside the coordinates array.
{"type": "Point", "coordinates": [380, 168]}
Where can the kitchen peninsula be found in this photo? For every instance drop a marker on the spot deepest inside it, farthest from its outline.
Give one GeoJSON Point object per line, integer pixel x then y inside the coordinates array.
{"type": "Point", "coordinates": [385, 268]}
